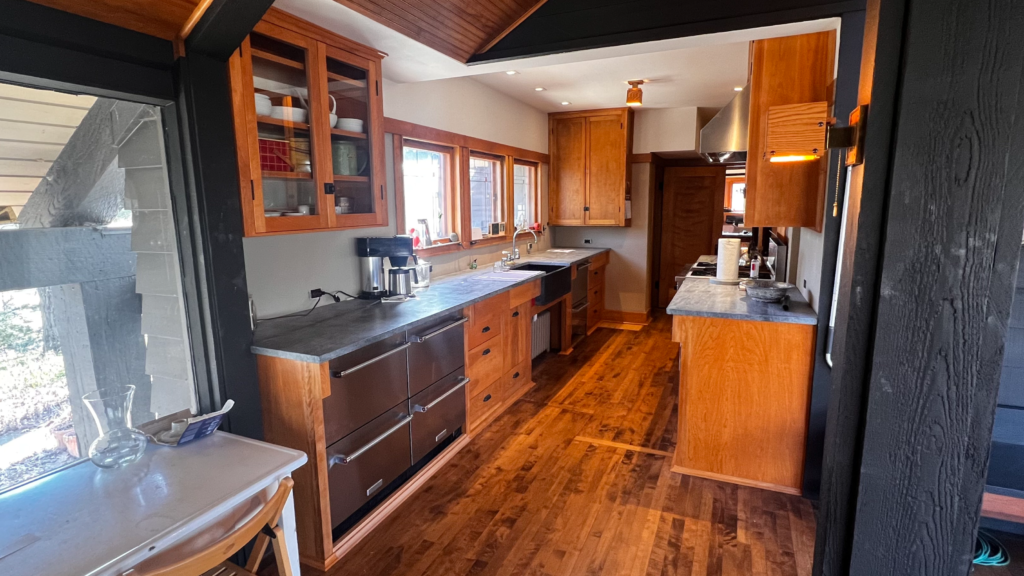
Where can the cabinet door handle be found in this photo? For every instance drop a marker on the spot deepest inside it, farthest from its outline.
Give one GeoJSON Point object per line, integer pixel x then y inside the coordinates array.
{"type": "Point", "coordinates": [486, 352]}
{"type": "Point", "coordinates": [343, 373]}
{"type": "Point", "coordinates": [343, 459]}
{"type": "Point", "coordinates": [485, 330]}
{"type": "Point", "coordinates": [458, 322]}
{"type": "Point", "coordinates": [462, 382]}
{"type": "Point", "coordinates": [487, 398]}
{"type": "Point", "coordinates": [515, 376]}
{"type": "Point", "coordinates": [515, 314]}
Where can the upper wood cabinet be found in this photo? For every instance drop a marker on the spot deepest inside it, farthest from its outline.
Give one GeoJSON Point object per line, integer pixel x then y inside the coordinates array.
{"type": "Point", "coordinates": [309, 129]}
{"type": "Point", "coordinates": [589, 181]}
{"type": "Point", "coordinates": [788, 70]}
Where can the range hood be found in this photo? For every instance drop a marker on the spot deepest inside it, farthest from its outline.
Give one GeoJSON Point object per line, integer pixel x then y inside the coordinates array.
{"type": "Point", "coordinates": [724, 139]}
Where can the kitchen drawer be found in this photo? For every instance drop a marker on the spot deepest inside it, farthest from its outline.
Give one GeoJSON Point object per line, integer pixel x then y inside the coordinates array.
{"type": "Point", "coordinates": [364, 462]}
{"type": "Point", "coordinates": [517, 378]}
{"type": "Point", "coordinates": [486, 363]}
{"type": "Point", "coordinates": [594, 314]}
{"type": "Point", "coordinates": [600, 261]}
{"type": "Point", "coordinates": [437, 350]}
{"type": "Point", "coordinates": [364, 385]}
{"type": "Point", "coordinates": [518, 335]}
{"type": "Point", "coordinates": [437, 413]}
{"type": "Point", "coordinates": [485, 319]}
{"type": "Point", "coordinates": [484, 403]}
{"type": "Point", "coordinates": [596, 278]}
{"type": "Point", "coordinates": [524, 293]}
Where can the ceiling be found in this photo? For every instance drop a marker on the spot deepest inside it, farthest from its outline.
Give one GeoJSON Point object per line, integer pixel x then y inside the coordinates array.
{"type": "Point", "coordinates": [160, 18]}
{"type": "Point", "coordinates": [455, 28]}
{"type": "Point", "coordinates": [699, 76]}
{"type": "Point", "coordinates": [34, 127]}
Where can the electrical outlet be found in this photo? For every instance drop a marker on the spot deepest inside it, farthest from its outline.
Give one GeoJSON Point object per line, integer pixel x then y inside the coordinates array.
{"type": "Point", "coordinates": [316, 293]}
{"type": "Point", "coordinates": [588, 241]}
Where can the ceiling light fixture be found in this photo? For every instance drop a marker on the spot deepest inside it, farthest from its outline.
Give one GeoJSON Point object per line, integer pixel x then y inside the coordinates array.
{"type": "Point", "coordinates": [511, 72]}
{"type": "Point", "coordinates": [539, 88]}
{"type": "Point", "coordinates": [566, 103]}
{"type": "Point", "coordinates": [635, 96]}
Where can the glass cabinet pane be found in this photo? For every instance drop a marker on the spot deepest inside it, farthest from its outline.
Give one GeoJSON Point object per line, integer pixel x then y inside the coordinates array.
{"type": "Point", "coordinates": [280, 80]}
{"type": "Point", "coordinates": [348, 101]}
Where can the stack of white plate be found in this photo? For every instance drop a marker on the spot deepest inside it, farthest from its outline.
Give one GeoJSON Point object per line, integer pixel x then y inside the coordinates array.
{"type": "Point", "coordinates": [350, 124]}
{"type": "Point", "coordinates": [288, 113]}
{"type": "Point", "coordinates": [263, 105]}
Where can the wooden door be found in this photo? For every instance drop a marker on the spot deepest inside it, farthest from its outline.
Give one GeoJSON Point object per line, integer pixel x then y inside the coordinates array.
{"type": "Point", "coordinates": [606, 170]}
{"type": "Point", "coordinates": [518, 335]}
{"type": "Point", "coordinates": [568, 149]}
{"type": "Point", "coordinates": [692, 221]}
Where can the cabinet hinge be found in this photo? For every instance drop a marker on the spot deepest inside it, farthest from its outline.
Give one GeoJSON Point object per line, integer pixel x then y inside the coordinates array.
{"type": "Point", "coordinates": [378, 87]}
{"type": "Point", "coordinates": [586, 208]}
{"type": "Point", "coordinates": [657, 284]}
{"type": "Point", "coordinates": [252, 189]}
{"type": "Point", "coordinates": [329, 188]}
{"type": "Point", "coordinates": [382, 192]}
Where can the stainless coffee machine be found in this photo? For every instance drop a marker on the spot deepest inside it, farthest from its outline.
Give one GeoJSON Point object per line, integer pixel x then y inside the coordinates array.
{"type": "Point", "coordinates": [372, 252]}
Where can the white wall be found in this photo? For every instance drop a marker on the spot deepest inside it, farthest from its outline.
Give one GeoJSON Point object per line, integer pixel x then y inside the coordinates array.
{"type": "Point", "coordinates": [281, 270]}
{"type": "Point", "coordinates": [807, 249]}
{"type": "Point", "coordinates": [626, 283]}
{"type": "Point", "coordinates": [665, 130]}
{"type": "Point", "coordinates": [465, 106]}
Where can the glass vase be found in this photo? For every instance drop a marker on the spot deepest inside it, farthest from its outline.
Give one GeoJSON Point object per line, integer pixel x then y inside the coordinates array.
{"type": "Point", "coordinates": [119, 444]}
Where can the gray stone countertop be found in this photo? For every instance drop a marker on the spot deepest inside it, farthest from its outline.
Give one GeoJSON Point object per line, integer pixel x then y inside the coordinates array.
{"type": "Point", "coordinates": [699, 297]}
{"type": "Point", "coordinates": [339, 328]}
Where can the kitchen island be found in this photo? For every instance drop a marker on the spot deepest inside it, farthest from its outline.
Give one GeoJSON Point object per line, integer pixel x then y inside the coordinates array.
{"type": "Point", "coordinates": [745, 370]}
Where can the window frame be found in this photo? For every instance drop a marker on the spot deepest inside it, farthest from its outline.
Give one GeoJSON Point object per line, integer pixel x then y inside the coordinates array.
{"type": "Point", "coordinates": [535, 199]}
{"type": "Point", "coordinates": [505, 202]}
{"type": "Point", "coordinates": [453, 192]}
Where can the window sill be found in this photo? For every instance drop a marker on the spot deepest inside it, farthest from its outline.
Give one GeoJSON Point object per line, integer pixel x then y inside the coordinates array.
{"type": "Point", "coordinates": [437, 249]}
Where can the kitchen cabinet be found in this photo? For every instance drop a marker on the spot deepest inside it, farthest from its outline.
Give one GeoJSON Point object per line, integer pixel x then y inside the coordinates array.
{"type": "Point", "coordinates": [595, 291]}
{"type": "Point", "coordinates": [498, 353]}
{"type": "Point", "coordinates": [589, 178]}
{"type": "Point", "coordinates": [308, 118]}
{"type": "Point", "coordinates": [787, 70]}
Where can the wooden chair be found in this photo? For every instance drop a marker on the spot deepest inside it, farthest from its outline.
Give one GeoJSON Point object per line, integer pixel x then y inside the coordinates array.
{"type": "Point", "coordinates": [212, 560]}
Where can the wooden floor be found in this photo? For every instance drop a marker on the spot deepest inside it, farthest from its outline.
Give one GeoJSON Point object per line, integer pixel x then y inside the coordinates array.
{"type": "Point", "coordinates": [574, 479]}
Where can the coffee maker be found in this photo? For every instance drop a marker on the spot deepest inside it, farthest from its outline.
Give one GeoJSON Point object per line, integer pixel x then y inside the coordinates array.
{"type": "Point", "coordinates": [372, 252]}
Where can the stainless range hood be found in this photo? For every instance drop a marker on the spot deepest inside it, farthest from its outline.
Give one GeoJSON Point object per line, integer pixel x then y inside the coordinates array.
{"type": "Point", "coordinates": [724, 139]}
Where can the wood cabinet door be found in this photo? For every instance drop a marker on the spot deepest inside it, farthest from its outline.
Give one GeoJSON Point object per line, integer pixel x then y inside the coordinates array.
{"type": "Point", "coordinates": [691, 221]}
{"type": "Point", "coordinates": [518, 335]}
{"type": "Point", "coordinates": [606, 170]}
{"type": "Point", "coordinates": [567, 183]}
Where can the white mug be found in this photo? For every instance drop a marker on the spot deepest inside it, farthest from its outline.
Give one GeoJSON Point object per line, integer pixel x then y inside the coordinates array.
{"type": "Point", "coordinates": [303, 209]}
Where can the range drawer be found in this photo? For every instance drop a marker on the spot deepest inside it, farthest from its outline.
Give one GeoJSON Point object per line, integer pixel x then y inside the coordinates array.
{"type": "Point", "coordinates": [367, 460]}
{"type": "Point", "coordinates": [364, 385]}
{"type": "Point", "coordinates": [437, 350]}
{"type": "Point", "coordinates": [437, 413]}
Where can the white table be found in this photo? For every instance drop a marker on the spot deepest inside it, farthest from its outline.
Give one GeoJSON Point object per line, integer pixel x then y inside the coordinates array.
{"type": "Point", "coordinates": [88, 521]}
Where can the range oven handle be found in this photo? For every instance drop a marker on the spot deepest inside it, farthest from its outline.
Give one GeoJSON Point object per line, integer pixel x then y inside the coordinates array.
{"type": "Point", "coordinates": [343, 459]}
{"type": "Point", "coordinates": [458, 322]}
{"type": "Point", "coordinates": [343, 373]}
{"type": "Point", "coordinates": [462, 382]}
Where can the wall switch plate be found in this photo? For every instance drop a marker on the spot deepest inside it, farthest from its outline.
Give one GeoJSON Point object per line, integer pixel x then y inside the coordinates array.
{"type": "Point", "coordinates": [805, 283]}
{"type": "Point", "coordinates": [588, 241]}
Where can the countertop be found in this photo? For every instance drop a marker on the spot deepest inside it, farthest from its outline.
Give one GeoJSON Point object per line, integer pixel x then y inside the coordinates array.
{"type": "Point", "coordinates": [697, 297]}
{"type": "Point", "coordinates": [339, 328]}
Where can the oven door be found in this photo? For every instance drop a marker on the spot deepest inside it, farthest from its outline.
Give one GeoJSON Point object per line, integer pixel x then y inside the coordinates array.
{"type": "Point", "coordinates": [579, 321]}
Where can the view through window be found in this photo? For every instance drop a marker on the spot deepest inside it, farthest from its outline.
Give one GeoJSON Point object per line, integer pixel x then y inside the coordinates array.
{"type": "Point", "coordinates": [90, 288]}
{"type": "Point", "coordinates": [486, 196]}
{"type": "Point", "coordinates": [427, 192]}
{"type": "Point", "coordinates": [524, 195]}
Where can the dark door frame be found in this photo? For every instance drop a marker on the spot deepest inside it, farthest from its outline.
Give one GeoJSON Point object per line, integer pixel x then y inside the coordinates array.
{"type": "Point", "coordinates": [934, 225]}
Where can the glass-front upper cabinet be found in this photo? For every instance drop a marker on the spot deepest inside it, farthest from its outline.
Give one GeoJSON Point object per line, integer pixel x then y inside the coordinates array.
{"type": "Point", "coordinates": [309, 126]}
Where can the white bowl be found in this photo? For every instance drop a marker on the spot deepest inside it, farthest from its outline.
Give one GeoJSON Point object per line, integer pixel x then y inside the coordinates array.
{"type": "Point", "coordinates": [350, 124]}
{"type": "Point", "coordinates": [288, 113]}
{"type": "Point", "coordinates": [263, 107]}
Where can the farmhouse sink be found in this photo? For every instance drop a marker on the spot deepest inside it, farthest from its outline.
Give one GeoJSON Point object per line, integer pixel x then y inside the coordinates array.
{"type": "Point", "coordinates": [554, 284]}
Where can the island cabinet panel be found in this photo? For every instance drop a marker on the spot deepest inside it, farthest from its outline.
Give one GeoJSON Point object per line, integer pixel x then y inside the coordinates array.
{"type": "Point", "coordinates": [744, 396]}
{"type": "Point", "coordinates": [785, 71]}
{"type": "Point", "coordinates": [589, 179]}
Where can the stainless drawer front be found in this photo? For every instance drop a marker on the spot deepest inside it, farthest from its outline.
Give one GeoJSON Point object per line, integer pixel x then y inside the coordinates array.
{"type": "Point", "coordinates": [364, 384]}
{"type": "Point", "coordinates": [437, 350]}
{"type": "Point", "coordinates": [437, 412]}
{"type": "Point", "coordinates": [376, 454]}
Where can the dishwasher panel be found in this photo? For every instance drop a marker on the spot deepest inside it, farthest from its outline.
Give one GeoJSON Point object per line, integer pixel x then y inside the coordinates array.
{"type": "Point", "coordinates": [437, 350]}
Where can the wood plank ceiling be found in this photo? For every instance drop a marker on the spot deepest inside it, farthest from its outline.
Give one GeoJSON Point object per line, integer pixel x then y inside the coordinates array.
{"type": "Point", "coordinates": [456, 28]}
{"type": "Point", "coordinates": [34, 127]}
{"type": "Point", "coordinates": [160, 18]}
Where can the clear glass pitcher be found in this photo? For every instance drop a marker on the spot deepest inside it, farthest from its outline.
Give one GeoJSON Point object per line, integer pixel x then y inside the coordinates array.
{"type": "Point", "coordinates": [119, 444]}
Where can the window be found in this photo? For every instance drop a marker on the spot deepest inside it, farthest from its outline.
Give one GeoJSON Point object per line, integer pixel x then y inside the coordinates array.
{"type": "Point", "coordinates": [486, 196]}
{"type": "Point", "coordinates": [524, 194]}
{"type": "Point", "coordinates": [96, 200]}
{"type": "Point", "coordinates": [429, 201]}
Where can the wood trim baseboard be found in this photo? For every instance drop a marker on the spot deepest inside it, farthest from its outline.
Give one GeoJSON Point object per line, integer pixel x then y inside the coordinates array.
{"type": "Point", "coordinates": [735, 480]}
{"type": "Point", "coordinates": [382, 512]}
{"type": "Point", "coordinates": [438, 136]}
{"type": "Point", "coordinates": [621, 317]}
{"type": "Point", "coordinates": [1002, 507]}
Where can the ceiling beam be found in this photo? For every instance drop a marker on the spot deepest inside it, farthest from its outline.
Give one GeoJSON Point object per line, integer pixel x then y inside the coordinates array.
{"type": "Point", "coordinates": [511, 27]}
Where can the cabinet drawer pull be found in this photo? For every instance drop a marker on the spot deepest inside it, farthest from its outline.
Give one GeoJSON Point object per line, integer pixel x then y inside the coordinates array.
{"type": "Point", "coordinates": [343, 459]}
{"type": "Point", "coordinates": [485, 330]}
{"type": "Point", "coordinates": [343, 373]}
{"type": "Point", "coordinates": [515, 376]}
{"type": "Point", "coordinates": [515, 314]}
{"type": "Point", "coordinates": [486, 352]}
{"type": "Point", "coordinates": [487, 398]}
{"type": "Point", "coordinates": [458, 322]}
{"type": "Point", "coordinates": [462, 382]}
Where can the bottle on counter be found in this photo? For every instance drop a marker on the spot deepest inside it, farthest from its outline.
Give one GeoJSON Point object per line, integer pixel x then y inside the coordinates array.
{"type": "Point", "coordinates": [753, 256]}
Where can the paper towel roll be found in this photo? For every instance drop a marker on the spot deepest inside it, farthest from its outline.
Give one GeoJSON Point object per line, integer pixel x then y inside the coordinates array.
{"type": "Point", "coordinates": [728, 271]}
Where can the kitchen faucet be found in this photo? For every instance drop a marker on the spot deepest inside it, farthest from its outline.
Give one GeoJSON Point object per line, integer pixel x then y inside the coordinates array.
{"type": "Point", "coordinates": [515, 252]}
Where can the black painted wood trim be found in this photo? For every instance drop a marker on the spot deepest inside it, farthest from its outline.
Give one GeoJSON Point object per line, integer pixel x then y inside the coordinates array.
{"type": "Point", "coordinates": [224, 26]}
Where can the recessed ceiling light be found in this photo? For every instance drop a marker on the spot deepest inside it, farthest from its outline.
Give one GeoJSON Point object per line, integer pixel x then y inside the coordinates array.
{"type": "Point", "coordinates": [566, 103]}
{"type": "Point", "coordinates": [511, 72]}
{"type": "Point", "coordinates": [738, 88]}
{"type": "Point", "coordinates": [539, 88]}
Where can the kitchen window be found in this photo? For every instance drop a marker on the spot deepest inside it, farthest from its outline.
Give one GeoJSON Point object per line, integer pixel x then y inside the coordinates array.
{"type": "Point", "coordinates": [525, 194]}
{"type": "Point", "coordinates": [428, 197]}
{"type": "Point", "coordinates": [486, 195]}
